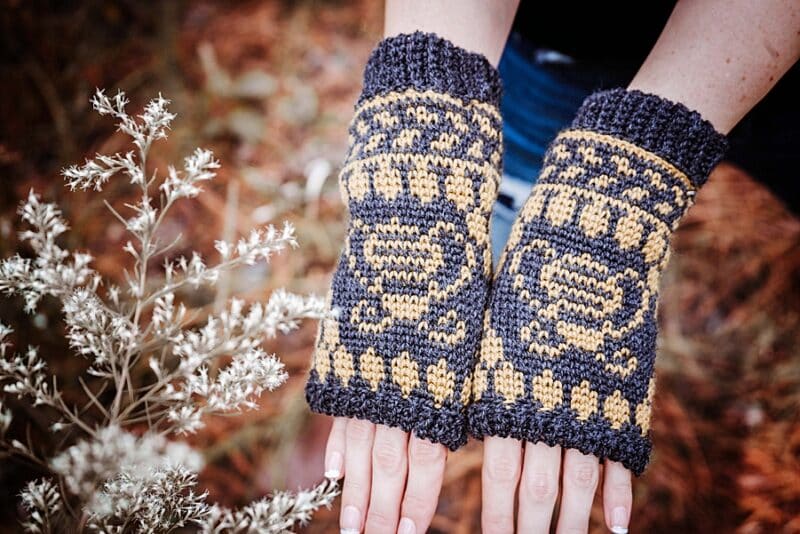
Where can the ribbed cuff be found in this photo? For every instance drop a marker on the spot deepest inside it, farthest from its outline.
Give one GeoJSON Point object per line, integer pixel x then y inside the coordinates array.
{"type": "Point", "coordinates": [439, 425]}
{"type": "Point", "coordinates": [425, 61]}
{"type": "Point", "coordinates": [559, 427]}
{"type": "Point", "coordinates": [669, 129]}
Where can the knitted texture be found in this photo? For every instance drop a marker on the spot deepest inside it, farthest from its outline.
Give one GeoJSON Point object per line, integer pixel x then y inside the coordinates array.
{"type": "Point", "coordinates": [411, 284]}
{"type": "Point", "coordinates": [570, 331]}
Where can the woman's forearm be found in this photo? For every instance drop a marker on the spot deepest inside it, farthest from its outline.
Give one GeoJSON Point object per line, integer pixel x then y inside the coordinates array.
{"type": "Point", "coordinates": [720, 57]}
{"type": "Point", "coordinates": [476, 25]}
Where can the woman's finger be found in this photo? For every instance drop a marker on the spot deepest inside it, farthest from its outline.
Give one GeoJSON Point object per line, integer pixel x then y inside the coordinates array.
{"type": "Point", "coordinates": [389, 468]}
{"type": "Point", "coordinates": [538, 488]}
{"type": "Point", "coordinates": [334, 450]}
{"type": "Point", "coordinates": [502, 462]}
{"type": "Point", "coordinates": [578, 485]}
{"type": "Point", "coordinates": [617, 496]}
{"type": "Point", "coordinates": [426, 461]}
{"type": "Point", "coordinates": [358, 466]}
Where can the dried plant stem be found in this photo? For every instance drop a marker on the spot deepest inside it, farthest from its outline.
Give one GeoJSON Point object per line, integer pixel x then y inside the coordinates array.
{"type": "Point", "coordinates": [112, 476]}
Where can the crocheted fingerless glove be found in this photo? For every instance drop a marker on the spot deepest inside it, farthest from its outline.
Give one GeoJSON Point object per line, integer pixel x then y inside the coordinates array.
{"type": "Point", "coordinates": [570, 331]}
{"type": "Point", "coordinates": [412, 281]}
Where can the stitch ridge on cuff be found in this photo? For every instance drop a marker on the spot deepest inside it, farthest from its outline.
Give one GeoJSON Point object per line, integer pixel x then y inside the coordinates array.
{"type": "Point", "coordinates": [668, 129]}
{"type": "Point", "coordinates": [439, 425]}
{"type": "Point", "coordinates": [560, 428]}
{"type": "Point", "coordinates": [425, 61]}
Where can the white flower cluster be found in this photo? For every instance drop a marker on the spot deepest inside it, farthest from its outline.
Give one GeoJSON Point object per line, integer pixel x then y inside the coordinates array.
{"type": "Point", "coordinates": [278, 513]}
{"type": "Point", "coordinates": [96, 331]}
{"type": "Point", "coordinates": [113, 451]}
{"type": "Point", "coordinates": [155, 500]}
{"type": "Point", "coordinates": [42, 500]}
{"type": "Point", "coordinates": [24, 375]}
{"type": "Point", "coordinates": [151, 367]}
{"type": "Point", "coordinates": [53, 271]}
{"type": "Point", "coordinates": [199, 167]}
{"type": "Point", "coordinates": [94, 173]}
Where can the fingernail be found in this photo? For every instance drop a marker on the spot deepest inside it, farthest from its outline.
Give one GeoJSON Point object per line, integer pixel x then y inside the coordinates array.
{"type": "Point", "coordinates": [407, 526]}
{"type": "Point", "coordinates": [619, 517]}
{"type": "Point", "coordinates": [351, 520]}
{"type": "Point", "coordinates": [333, 467]}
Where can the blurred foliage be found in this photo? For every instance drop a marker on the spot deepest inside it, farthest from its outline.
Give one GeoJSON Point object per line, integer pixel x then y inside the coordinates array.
{"type": "Point", "coordinates": [269, 86]}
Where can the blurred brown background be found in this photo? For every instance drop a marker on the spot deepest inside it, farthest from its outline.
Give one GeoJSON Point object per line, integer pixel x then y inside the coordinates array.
{"type": "Point", "coordinates": [269, 86]}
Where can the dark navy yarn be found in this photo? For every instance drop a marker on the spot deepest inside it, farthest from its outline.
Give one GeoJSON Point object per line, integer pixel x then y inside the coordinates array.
{"type": "Point", "coordinates": [411, 284]}
{"type": "Point", "coordinates": [669, 129]}
{"type": "Point", "coordinates": [569, 344]}
{"type": "Point", "coordinates": [425, 61]}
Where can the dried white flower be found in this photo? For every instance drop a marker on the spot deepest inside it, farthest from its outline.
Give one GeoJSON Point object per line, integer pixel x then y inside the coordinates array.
{"type": "Point", "coordinates": [24, 375]}
{"type": "Point", "coordinates": [5, 418]}
{"type": "Point", "coordinates": [186, 419]}
{"type": "Point", "coordinates": [53, 271]}
{"type": "Point", "coordinates": [150, 361]}
{"type": "Point", "coordinates": [144, 222]}
{"type": "Point", "coordinates": [5, 331]}
{"type": "Point", "coordinates": [199, 167]}
{"type": "Point", "coordinates": [42, 500]}
{"type": "Point", "coordinates": [153, 500]}
{"type": "Point", "coordinates": [271, 515]}
{"type": "Point", "coordinates": [239, 383]}
{"type": "Point", "coordinates": [167, 318]}
{"type": "Point", "coordinates": [94, 173]}
{"type": "Point", "coordinates": [90, 462]}
{"type": "Point", "coordinates": [96, 331]}
{"type": "Point", "coordinates": [153, 123]}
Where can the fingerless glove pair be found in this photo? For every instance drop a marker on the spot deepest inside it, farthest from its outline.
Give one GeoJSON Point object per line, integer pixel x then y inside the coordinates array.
{"type": "Point", "coordinates": [560, 346]}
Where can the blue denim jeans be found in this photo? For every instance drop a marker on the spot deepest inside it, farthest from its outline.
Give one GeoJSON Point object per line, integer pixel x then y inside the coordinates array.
{"type": "Point", "coordinates": [542, 91]}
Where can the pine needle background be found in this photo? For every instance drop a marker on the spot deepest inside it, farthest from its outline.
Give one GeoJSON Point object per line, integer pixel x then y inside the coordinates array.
{"type": "Point", "coordinates": [269, 86]}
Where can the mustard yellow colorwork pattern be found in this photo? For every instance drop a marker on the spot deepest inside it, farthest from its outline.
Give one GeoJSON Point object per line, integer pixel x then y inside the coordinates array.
{"type": "Point", "coordinates": [409, 291]}
{"type": "Point", "coordinates": [570, 341]}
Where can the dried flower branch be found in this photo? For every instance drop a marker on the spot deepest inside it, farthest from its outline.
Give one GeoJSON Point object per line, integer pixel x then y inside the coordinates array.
{"type": "Point", "coordinates": [278, 513]}
{"type": "Point", "coordinates": [42, 500]}
{"type": "Point", "coordinates": [143, 347]}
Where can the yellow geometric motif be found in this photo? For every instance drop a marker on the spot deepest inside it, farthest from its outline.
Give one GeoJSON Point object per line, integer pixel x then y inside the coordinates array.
{"type": "Point", "coordinates": [441, 382]}
{"type": "Point", "coordinates": [622, 363]}
{"type": "Point", "coordinates": [405, 373]}
{"type": "Point", "coordinates": [371, 367]}
{"type": "Point", "coordinates": [583, 400]}
{"type": "Point", "coordinates": [444, 324]}
{"type": "Point", "coordinates": [459, 191]}
{"type": "Point", "coordinates": [644, 408]}
{"type": "Point", "coordinates": [406, 139]}
{"type": "Point", "coordinates": [466, 390]}
{"type": "Point", "coordinates": [343, 365]}
{"type": "Point", "coordinates": [581, 289]}
{"type": "Point", "coordinates": [388, 181]}
{"type": "Point", "coordinates": [509, 383]}
{"type": "Point", "coordinates": [549, 392]}
{"type": "Point", "coordinates": [329, 339]}
{"type": "Point", "coordinates": [594, 219]}
{"type": "Point", "coordinates": [415, 259]}
{"type": "Point", "coordinates": [423, 184]}
{"type": "Point", "coordinates": [616, 410]}
{"type": "Point", "coordinates": [560, 209]}
{"type": "Point", "coordinates": [629, 232]}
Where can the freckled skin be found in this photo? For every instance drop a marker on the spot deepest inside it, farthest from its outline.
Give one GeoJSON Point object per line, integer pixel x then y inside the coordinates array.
{"type": "Point", "coordinates": [725, 72]}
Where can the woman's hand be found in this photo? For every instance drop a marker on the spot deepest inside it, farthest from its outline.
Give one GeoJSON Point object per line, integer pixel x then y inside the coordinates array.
{"type": "Point", "coordinates": [537, 470]}
{"type": "Point", "coordinates": [393, 480]}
